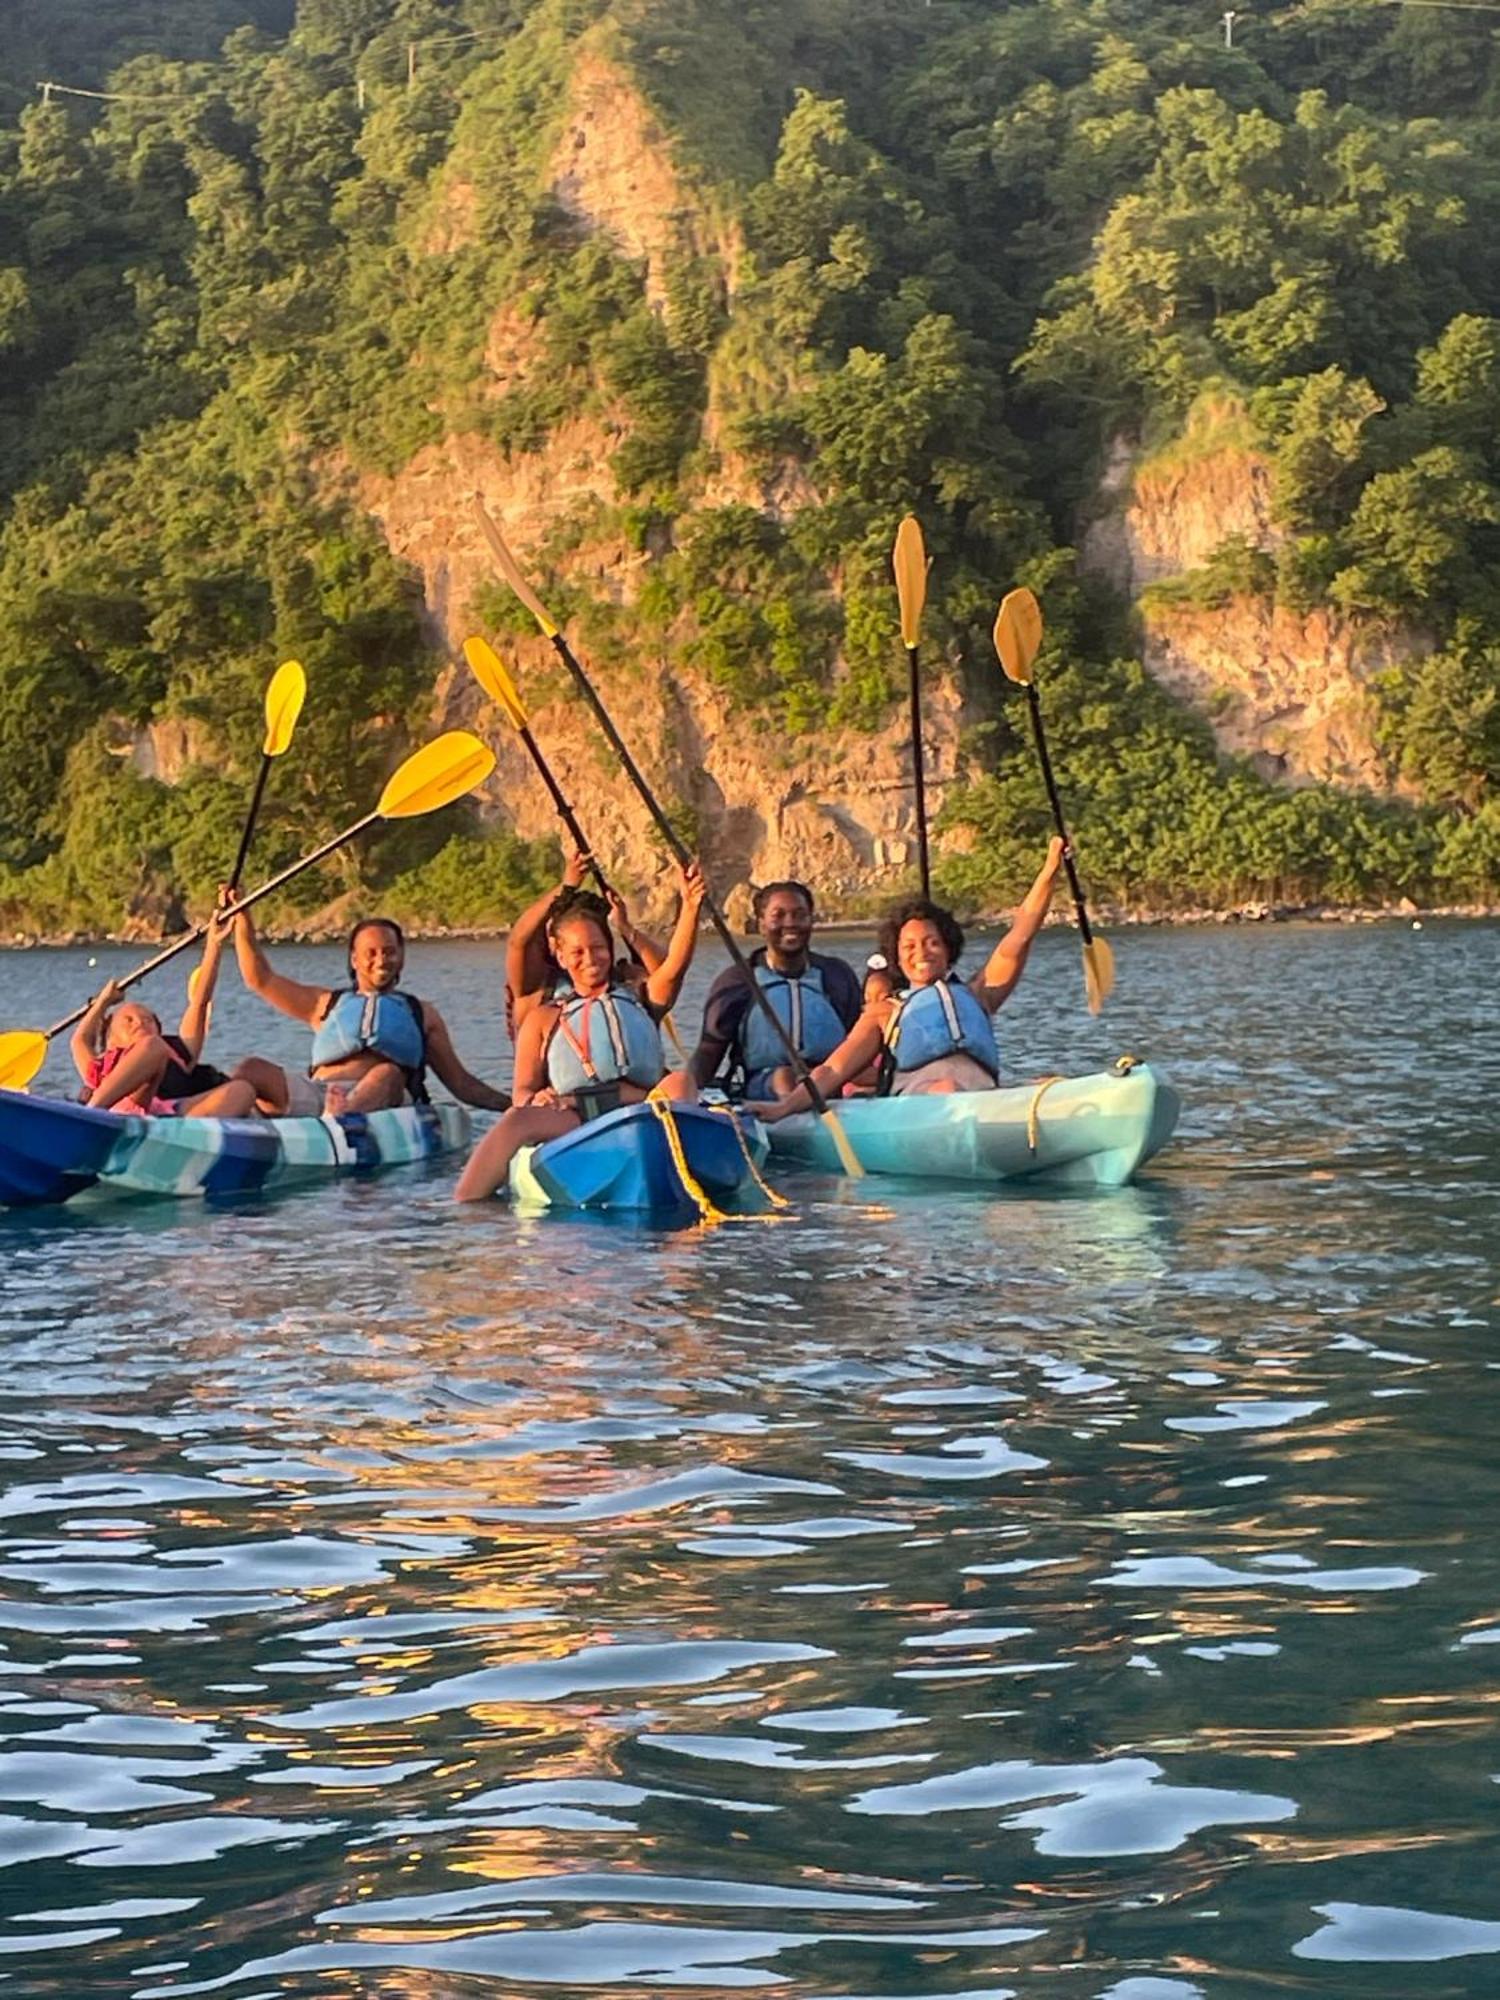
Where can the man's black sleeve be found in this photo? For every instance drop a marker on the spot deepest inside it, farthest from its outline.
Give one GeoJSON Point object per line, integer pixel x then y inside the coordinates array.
{"type": "Point", "coordinates": [845, 990]}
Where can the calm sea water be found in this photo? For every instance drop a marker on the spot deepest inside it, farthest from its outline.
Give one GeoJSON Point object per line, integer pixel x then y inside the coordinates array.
{"type": "Point", "coordinates": [928, 1595]}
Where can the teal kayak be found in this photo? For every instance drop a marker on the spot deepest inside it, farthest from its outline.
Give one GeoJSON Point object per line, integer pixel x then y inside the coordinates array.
{"type": "Point", "coordinates": [1072, 1131]}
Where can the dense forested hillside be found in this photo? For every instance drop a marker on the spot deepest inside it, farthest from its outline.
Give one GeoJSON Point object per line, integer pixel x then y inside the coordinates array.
{"type": "Point", "coordinates": [941, 258]}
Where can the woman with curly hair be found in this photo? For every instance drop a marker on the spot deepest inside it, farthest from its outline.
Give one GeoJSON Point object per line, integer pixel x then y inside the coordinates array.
{"type": "Point", "coordinates": [934, 1033]}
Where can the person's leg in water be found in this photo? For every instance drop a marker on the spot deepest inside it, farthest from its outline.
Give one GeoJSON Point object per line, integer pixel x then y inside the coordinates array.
{"type": "Point", "coordinates": [526, 1125]}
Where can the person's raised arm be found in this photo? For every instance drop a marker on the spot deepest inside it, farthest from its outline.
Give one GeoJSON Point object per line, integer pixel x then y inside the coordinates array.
{"type": "Point", "coordinates": [192, 1029]}
{"type": "Point", "coordinates": [443, 1061]}
{"type": "Point", "coordinates": [855, 1052]}
{"type": "Point", "coordinates": [994, 985]}
{"type": "Point", "coordinates": [289, 996]}
{"type": "Point", "coordinates": [84, 1043]}
{"type": "Point", "coordinates": [665, 983]}
{"type": "Point", "coordinates": [640, 944]}
{"type": "Point", "coordinates": [527, 963]}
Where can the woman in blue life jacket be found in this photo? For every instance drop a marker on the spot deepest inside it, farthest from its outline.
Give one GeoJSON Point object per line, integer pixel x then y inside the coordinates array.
{"type": "Point", "coordinates": [936, 1033]}
{"type": "Point", "coordinates": [593, 1048]}
{"type": "Point", "coordinates": [532, 974]}
{"type": "Point", "coordinates": [373, 1045]}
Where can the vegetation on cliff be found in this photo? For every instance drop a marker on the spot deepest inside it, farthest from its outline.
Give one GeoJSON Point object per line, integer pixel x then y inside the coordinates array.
{"type": "Point", "coordinates": [926, 258]}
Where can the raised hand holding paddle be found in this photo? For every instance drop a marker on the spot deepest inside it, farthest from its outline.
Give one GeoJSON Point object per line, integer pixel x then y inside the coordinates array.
{"type": "Point", "coordinates": [506, 563]}
{"type": "Point", "coordinates": [1018, 637]}
{"type": "Point", "coordinates": [485, 665]}
{"type": "Point", "coordinates": [909, 561]}
{"type": "Point", "coordinates": [434, 776]}
{"type": "Point", "coordinates": [284, 698]}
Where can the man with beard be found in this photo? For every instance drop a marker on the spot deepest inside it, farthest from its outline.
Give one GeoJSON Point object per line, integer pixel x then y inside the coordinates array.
{"type": "Point", "coordinates": [816, 999]}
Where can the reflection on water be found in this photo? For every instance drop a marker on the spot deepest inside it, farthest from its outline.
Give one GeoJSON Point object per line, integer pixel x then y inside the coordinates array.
{"type": "Point", "coordinates": [938, 1595]}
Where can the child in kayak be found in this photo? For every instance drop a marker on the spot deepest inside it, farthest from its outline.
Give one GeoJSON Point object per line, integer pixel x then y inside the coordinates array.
{"type": "Point", "coordinates": [127, 1064]}
{"type": "Point", "coordinates": [933, 1034]}
{"type": "Point", "coordinates": [594, 1048]}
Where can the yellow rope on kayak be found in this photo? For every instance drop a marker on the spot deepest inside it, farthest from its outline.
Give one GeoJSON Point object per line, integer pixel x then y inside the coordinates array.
{"type": "Point", "coordinates": [1033, 1111]}
{"type": "Point", "coordinates": [774, 1199]}
{"type": "Point", "coordinates": [1125, 1064]}
{"type": "Point", "coordinates": [692, 1187]}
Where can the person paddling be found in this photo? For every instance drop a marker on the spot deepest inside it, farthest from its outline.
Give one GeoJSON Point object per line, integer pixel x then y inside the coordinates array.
{"type": "Point", "coordinates": [594, 1048]}
{"type": "Point", "coordinates": [127, 1064]}
{"type": "Point", "coordinates": [936, 1034]}
{"type": "Point", "coordinates": [372, 1044]}
{"type": "Point", "coordinates": [816, 999]}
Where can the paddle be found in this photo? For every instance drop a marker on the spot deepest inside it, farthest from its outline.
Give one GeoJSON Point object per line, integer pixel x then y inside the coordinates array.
{"type": "Point", "coordinates": [1018, 635]}
{"type": "Point", "coordinates": [434, 776]}
{"type": "Point", "coordinates": [284, 698]}
{"type": "Point", "coordinates": [484, 662]}
{"type": "Point", "coordinates": [505, 562]}
{"type": "Point", "coordinates": [909, 561]}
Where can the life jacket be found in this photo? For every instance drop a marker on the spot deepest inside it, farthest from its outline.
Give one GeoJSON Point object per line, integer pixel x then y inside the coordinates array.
{"type": "Point", "coordinates": [390, 1025]}
{"type": "Point", "coordinates": [183, 1077]}
{"type": "Point", "coordinates": [598, 1042]}
{"type": "Point", "coordinates": [930, 1022]}
{"type": "Point", "coordinates": [106, 1064]}
{"type": "Point", "coordinates": [802, 1006]}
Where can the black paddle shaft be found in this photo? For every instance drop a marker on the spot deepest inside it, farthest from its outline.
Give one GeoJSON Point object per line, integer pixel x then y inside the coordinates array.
{"type": "Point", "coordinates": [196, 935]}
{"type": "Point", "coordinates": [918, 772]}
{"type": "Point", "coordinates": [568, 817]}
{"type": "Point", "coordinates": [669, 834]}
{"type": "Point", "coordinates": [248, 834]}
{"type": "Point", "coordinates": [1034, 702]}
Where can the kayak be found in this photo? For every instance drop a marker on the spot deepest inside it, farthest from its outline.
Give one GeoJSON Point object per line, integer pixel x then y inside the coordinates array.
{"type": "Point", "coordinates": [646, 1158]}
{"type": "Point", "coordinates": [51, 1150]}
{"type": "Point", "coordinates": [1072, 1131]}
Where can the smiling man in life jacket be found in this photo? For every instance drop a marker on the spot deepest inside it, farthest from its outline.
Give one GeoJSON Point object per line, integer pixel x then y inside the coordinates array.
{"type": "Point", "coordinates": [816, 999]}
{"type": "Point", "coordinates": [935, 1034]}
{"type": "Point", "coordinates": [372, 1044]}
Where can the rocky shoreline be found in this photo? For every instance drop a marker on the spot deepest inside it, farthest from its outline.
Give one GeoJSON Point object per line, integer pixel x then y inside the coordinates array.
{"type": "Point", "coordinates": [1106, 917]}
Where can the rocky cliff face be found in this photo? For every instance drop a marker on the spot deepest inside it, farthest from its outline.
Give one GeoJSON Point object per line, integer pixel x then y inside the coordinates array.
{"type": "Point", "coordinates": [1289, 690]}
{"type": "Point", "coordinates": [838, 814]}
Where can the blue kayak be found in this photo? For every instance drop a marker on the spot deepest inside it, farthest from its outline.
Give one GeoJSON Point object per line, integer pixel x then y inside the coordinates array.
{"type": "Point", "coordinates": [1070, 1131]}
{"type": "Point", "coordinates": [645, 1158]}
{"type": "Point", "coordinates": [51, 1150]}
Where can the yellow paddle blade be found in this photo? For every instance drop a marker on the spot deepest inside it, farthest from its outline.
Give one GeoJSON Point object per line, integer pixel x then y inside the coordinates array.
{"type": "Point", "coordinates": [284, 699]}
{"type": "Point", "coordinates": [436, 775]}
{"type": "Point", "coordinates": [848, 1158]}
{"type": "Point", "coordinates": [484, 662]}
{"type": "Point", "coordinates": [1018, 634]}
{"type": "Point", "coordinates": [1098, 972]}
{"type": "Point", "coordinates": [22, 1053]}
{"type": "Point", "coordinates": [506, 563]}
{"type": "Point", "coordinates": [909, 561]}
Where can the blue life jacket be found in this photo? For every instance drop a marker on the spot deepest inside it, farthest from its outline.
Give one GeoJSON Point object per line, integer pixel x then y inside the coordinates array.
{"type": "Point", "coordinates": [944, 1019]}
{"type": "Point", "coordinates": [803, 1008]}
{"type": "Point", "coordinates": [603, 1039]}
{"type": "Point", "coordinates": [380, 1024]}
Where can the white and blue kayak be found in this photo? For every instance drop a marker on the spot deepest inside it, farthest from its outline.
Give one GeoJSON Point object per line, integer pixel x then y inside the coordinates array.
{"type": "Point", "coordinates": [51, 1150]}
{"type": "Point", "coordinates": [662, 1159]}
{"type": "Point", "coordinates": [1069, 1131]}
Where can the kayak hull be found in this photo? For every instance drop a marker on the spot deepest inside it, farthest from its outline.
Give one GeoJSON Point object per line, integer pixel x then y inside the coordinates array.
{"type": "Point", "coordinates": [624, 1162]}
{"type": "Point", "coordinates": [51, 1151]}
{"type": "Point", "coordinates": [1075, 1132]}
